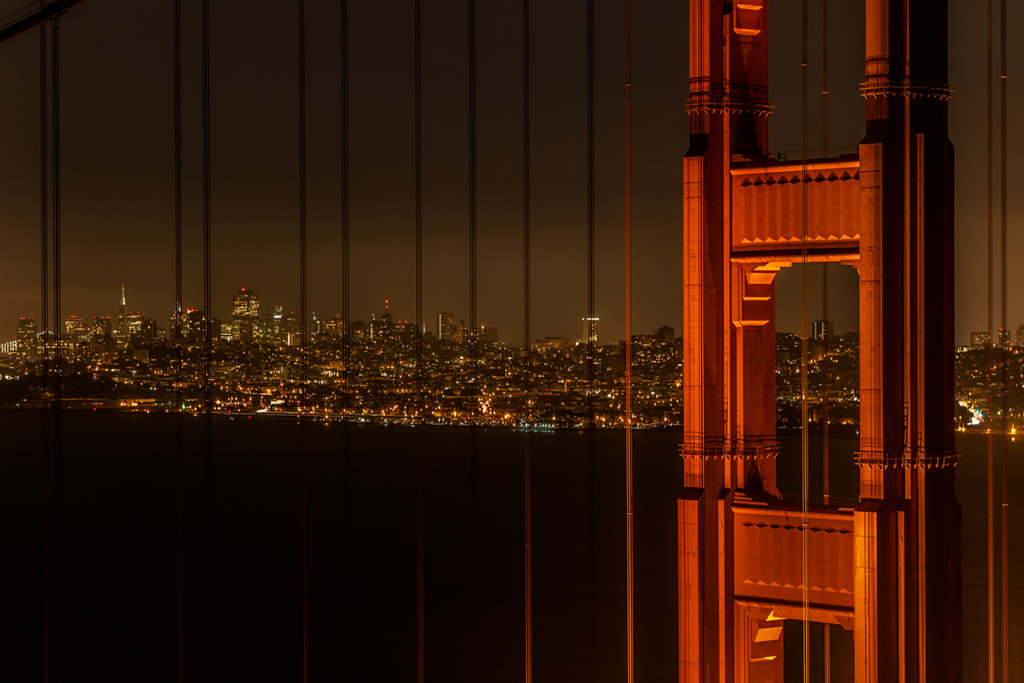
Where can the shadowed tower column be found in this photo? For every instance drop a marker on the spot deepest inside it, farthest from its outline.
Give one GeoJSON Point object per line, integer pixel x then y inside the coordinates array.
{"type": "Point", "coordinates": [907, 525]}
{"type": "Point", "coordinates": [728, 329]}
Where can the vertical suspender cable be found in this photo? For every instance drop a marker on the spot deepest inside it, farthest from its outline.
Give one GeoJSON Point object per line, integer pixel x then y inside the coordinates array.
{"type": "Point", "coordinates": [804, 559]}
{"type": "Point", "coordinates": [179, 449]}
{"type": "Point", "coordinates": [474, 345]}
{"type": "Point", "coordinates": [988, 366]}
{"type": "Point", "coordinates": [824, 314]}
{"type": "Point", "coordinates": [528, 360]}
{"type": "Point", "coordinates": [207, 354]}
{"type": "Point", "coordinates": [57, 633]}
{"type": "Point", "coordinates": [629, 349]}
{"type": "Point", "coordinates": [1005, 569]}
{"type": "Point", "coordinates": [346, 432]}
{"type": "Point", "coordinates": [44, 360]}
{"type": "Point", "coordinates": [824, 293]}
{"type": "Point", "coordinates": [420, 407]}
{"type": "Point", "coordinates": [824, 78]}
{"type": "Point", "coordinates": [591, 350]}
{"type": "Point", "coordinates": [303, 340]}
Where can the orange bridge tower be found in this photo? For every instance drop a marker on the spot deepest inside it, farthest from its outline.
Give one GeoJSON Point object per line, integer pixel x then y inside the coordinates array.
{"type": "Point", "coordinates": [889, 568]}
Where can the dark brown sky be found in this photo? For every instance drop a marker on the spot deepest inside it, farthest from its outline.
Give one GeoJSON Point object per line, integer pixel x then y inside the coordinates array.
{"type": "Point", "coordinates": [117, 158]}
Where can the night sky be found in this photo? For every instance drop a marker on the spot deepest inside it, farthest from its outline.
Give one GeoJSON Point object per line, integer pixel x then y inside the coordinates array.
{"type": "Point", "coordinates": [118, 164]}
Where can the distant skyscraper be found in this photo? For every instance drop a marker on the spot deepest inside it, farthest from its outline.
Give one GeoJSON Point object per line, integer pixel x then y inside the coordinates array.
{"type": "Point", "coordinates": [102, 327]}
{"type": "Point", "coordinates": [330, 327]}
{"type": "Point", "coordinates": [101, 337]}
{"type": "Point", "coordinates": [358, 329]}
{"type": "Point", "coordinates": [136, 320]}
{"type": "Point", "coordinates": [177, 324]}
{"type": "Point", "coordinates": [194, 332]}
{"type": "Point", "coordinates": [290, 329]}
{"type": "Point", "coordinates": [75, 330]}
{"type": "Point", "coordinates": [28, 337]}
{"type": "Point", "coordinates": [147, 331]}
{"type": "Point", "coordinates": [1020, 336]}
{"type": "Point", "coordinates": [822, 330]}
{"type": "Point", "coordinates": [590, 330]}
{"type": "Point", "coordinates": [384, 327]}
{"type": "Point", "coordinates": [245, 315]}
{"type": "Point", "coordinates": [445, 326]}
{"type": "Point", "coordinates": [123, 337]}
{"type": "Point", "coordinates": [980, 340]}
{"type": "Point", "coordinates": [490, 333]}
{"type": "Point", "coordinates": [277, 324]}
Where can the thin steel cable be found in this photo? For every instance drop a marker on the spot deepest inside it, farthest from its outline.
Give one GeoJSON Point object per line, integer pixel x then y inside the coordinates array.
{"type": "Point", "coordinates": [824, 78]}
{"type": "Point", "coordinates": [825, 484]}
{"type": "Point", "coordinates": [303, 340]}
{"type": "Point", "coordinates": [824, 295]}
{"type": "Point", "coordinates": [420, 407]}
{"type": "Point", "coordinates": [57, 633]}
{"type": "Point", "coordinates": [804, 442]}
{"type": "Point", "coordinates": [528, 359]}
{"type": "Point", "coordinates": [43, 329]}
{"type": "Point", "coordinates": [346, 432]}
{"type": "Point", "coordinates": [989, 369]}
{"type": "Point", "coordinates": [591, 351]}
{"type": "Point", "coordinates": [179, 448]}
{"type": "Point", "coordinates": [1004, 555]}
{"type": "Point", "coordinates": [474, 336]}
{"type": "Point", "coordinates": [629, 348]}
{"type": "Point", "coordinates": [207, 356]}
{"type": "Point", "coordinates": [21, 9]}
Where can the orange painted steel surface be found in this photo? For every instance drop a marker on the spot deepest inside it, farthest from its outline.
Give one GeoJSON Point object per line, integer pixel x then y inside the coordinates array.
{"type": "Point", "coordinates": [888, 569]}
{"type": "Point", "coordinates": [767, 555]}
{"type": "Point", "coordinates": [767, 208]}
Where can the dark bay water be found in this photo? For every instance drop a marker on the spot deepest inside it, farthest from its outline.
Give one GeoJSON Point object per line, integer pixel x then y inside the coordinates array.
{"type": "Point", "coordinates": [119, 551]}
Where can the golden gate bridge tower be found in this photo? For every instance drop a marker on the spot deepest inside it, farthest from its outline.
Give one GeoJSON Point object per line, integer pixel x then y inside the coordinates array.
{"type": "Point", "coordinates": [887, 569]}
